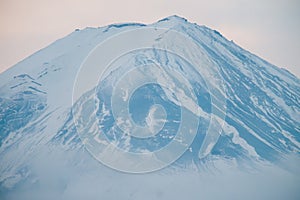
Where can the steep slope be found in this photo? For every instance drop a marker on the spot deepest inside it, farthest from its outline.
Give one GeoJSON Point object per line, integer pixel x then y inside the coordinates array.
{"type": "Point", "coordinates": [262, 121]}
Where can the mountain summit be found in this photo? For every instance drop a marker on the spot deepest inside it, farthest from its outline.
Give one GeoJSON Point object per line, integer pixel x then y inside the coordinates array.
{"type": "Point", "coordinates": [238, 107]}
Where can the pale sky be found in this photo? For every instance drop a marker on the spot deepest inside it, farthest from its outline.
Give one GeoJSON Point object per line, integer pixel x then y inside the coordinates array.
{"type": "Point", "coordinates": [267, 28]}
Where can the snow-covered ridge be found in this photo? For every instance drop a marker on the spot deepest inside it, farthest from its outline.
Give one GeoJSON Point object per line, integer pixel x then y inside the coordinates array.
{"type": "Point", "coordinates": [263, 101]}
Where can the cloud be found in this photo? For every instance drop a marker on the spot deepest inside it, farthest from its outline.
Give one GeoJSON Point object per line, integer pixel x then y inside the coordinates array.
{"type": "Point", "coordinates": [75, 175]}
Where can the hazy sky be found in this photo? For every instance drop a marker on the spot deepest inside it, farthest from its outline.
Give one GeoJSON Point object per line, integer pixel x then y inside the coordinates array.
{"type": "Point", "coordinates": [268, 28]}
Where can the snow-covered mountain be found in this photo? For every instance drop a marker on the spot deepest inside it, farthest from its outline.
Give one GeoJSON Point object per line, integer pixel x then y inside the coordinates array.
{"type": "Point", "coordinates": [247, 110]}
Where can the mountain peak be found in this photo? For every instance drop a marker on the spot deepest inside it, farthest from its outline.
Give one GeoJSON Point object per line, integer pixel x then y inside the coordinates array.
{"type": "Point", "coordinates": [173, 18]}
{"type": "Point", "coordinates": [234, 107]}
